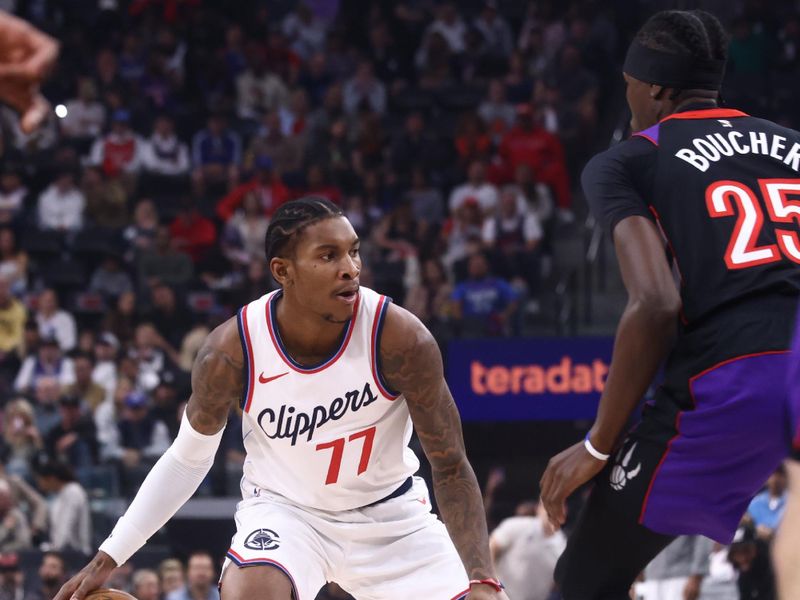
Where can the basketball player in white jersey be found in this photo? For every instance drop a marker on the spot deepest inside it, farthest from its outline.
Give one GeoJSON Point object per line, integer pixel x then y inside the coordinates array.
{"type": "Point", "coordinates": [329, 377]}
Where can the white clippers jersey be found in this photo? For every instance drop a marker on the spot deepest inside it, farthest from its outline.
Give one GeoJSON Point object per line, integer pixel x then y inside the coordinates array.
{"type": "Point", "coordinates": [330, 436]}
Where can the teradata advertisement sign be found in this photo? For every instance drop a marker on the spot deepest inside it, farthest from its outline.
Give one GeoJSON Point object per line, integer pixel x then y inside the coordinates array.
{"type": "Point", "coordinates": [528, 379]}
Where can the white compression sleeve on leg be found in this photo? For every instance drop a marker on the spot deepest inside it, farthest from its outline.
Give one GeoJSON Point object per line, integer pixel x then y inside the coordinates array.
{"type": "Point", "coordinates": [170, 483]}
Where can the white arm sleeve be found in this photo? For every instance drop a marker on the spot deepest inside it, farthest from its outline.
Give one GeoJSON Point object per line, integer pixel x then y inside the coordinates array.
{"type": "Point", "coordinates": [170, 483]}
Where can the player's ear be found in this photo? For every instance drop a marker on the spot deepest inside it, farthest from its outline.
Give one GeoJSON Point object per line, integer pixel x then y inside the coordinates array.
{"type": "Point", "coordinates": [657, 92]}
{"type": "Point", "coordinates": [281, 270]}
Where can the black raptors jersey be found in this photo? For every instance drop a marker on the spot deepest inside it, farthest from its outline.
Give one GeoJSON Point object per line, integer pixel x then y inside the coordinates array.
{"type": "Point", "coordinates": [724, 189]}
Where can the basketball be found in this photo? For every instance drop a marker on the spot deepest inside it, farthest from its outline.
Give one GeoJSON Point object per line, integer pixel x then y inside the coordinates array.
{"type": "Point", "coordinates": [108, 594]}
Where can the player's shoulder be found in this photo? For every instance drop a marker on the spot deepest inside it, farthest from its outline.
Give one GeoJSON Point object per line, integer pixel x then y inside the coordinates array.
{"type": "Point", "coordinates": [224, 338]}
{"type": "Point", "coordinates": [618, 160]}
{"type": "Point", "coordinates": [404, 333]}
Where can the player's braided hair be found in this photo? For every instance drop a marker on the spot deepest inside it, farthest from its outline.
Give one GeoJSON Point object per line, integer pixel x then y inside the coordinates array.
{"type": "Point", "coordinates": [694, 32]}
{"type": "Point", "coordinates": [294, 216]}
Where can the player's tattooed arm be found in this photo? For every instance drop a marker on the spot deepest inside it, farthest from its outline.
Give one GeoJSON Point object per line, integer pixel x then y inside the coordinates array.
{"type": "Point", "coordinates": [411, 363]}
{"type": "Point", "coordinates": [217, 379]}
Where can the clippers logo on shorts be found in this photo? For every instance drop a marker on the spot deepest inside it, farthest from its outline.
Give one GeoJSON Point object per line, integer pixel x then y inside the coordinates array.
{"type": "Point", "coordinates": [262, 539]}
{"type": "Point", "coordinates": [620, 474]}
{"type": "Point", "coordinates": [286, 423]}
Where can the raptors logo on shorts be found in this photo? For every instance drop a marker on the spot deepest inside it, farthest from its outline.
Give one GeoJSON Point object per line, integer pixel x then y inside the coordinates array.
{"type": "Point", "coordinates": [263, 539]}
{"type": "Point", "coordinates": [621, 474]}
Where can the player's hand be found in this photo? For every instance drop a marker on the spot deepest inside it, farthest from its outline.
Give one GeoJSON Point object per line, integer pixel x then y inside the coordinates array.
{"type": "Point", "coordinates": [565, 473]}
{"type": "Point", "coordinates": [691, 591]}
{"type": "Point", "coordinates": [485, 592]}
{"type": "Point", "coordinates": [26, 58]}
{"type": "Point", "coordinates": [88, 579]}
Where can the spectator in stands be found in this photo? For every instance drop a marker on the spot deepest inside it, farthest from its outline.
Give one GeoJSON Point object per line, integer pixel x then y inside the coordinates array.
{"type": "Point", "coordinates": [140, 235]}
{"type": "Point", "coordinates": [512, 235]}
{"type": "Point", "coordinates": [90, 393]}
{"type": "Point", "coordinates": [13, 194]}
{"type": "Point", "coordinates": [475, 188]}
{"type": "Point", "coordinates": [285, 151]}
{"type": "Point", "coordinates": [484, 304]}
{"type": "Point", "coordinates": [200, 579]}
{"type": "Point", "coordinates": [525, 549]}
{"type": "Point", "coordinates": [105, 366]}
{"type": "Point", "coordinates": [416, 145]}
{"type": "Point", "coordinates": [146, 585]}
{"type": "Point", "coordinates": [266, 185]}
{"type": "Point", "coordinates": [106, 199]}
{"type": "Point", "coordinates": [750, 557]}
{"type": "Point", "coordinates": [109, 279]}
{"type": "Point", "coordinates": [193, 233]}
{"type": "Point", "coordinates": [52, 575]}
{"type": "Point", "coordinates": [61, 204]}
{"type": "Point", "coordinates": [429, 300]}
{"type": "Point", "coordinates": [246, 231]}
{"type": "Point", "coordinates": [427, 204]}
{"type": "Point", "coordinates": [55, 322]}
{"type": "Point", "coordinates": [152, 354]}
{"type": "Point", "coordinates": [164, 155]}
{"type": "Point", "coordinates": [496, 33]}
{"type": "Point", "coordinates": [119, 153]}
{"type": "Point", "coordinates": [496, 111]}
{"type": "Point", "coordinates": [450, 26]}
{"type": "Point", "coordinates": [472, 141]}
{"type": "Point", "coordinates": [304, 31]}
{"type": "Point", "coordinates": [397, 237]}
{"type": "Point", "coordinates": [48, 362]}
{"type": "Point", "coordinates": [143, 438]}
{"type": "Point", "coordinates": [168, 316]}
{"type": "Point", "coordinates": [121, 319]}
{"type": "Point", "coordinates": [21, 437]}
{"type": "Point", "coordinates": [12, 326]}
{"type": "Point", "coordinates": [73, 440]}
{"type": "Point", "coordinates": [294, 116]}
{"type": "Point", "coordinates": [364, 90]}
{"type": "Point", "coordinates": [85, 116]}
{"type": "Point", "coordinates": [321, 120]}
{"type": "Point", "coordinates": [106, 419]}
{"type": "Point", "coordinates": [216, 154]}
{"type": "Point", "coordinates": [46, 393]}
{"type": "Point", "coordinates": [15, 532]}
{"type": "Point", "coordinates": [678, 571]}
{"type": "Point", "coordinates": [462, 232]}
{"type": "Point", "coordinates": [766, 509]}
{"type": "Point", "coordinates": [165, 262]}
{"type": "Point", "coordinates": [13, 262]}
{"type": "Point", "coordinates": [171, 575]}
{"type": "Point", "coordinates": [318, 184]}
{"type": "Point", "coordinates": [12, 578]}
{"type": "Point", "coordinates": [259, 91]}
{"type": "Point", "coordinates": [70, 524]}
{"type": "Point", "coordinates": [529, 143]}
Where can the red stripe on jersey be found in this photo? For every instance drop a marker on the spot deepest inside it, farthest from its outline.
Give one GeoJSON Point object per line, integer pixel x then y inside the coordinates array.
{"type": "Point", "coordinates": [708, 113]}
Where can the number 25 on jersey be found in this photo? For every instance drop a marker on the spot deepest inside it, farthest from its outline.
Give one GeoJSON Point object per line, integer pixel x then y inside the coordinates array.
{"type": "Point", "coordinates": [726, 198]}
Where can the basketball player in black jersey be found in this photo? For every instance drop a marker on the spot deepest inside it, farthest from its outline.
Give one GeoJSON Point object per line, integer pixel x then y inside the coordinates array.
{"type": "Point", "coordinates": [703, 204]}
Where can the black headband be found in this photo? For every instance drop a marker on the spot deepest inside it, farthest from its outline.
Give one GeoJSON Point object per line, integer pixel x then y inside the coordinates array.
{"type": "Point", "coordinates": [681, 71]}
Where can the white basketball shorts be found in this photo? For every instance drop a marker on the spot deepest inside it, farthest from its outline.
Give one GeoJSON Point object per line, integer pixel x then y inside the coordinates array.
{"type": "Point", "coordinates": [394, 550]}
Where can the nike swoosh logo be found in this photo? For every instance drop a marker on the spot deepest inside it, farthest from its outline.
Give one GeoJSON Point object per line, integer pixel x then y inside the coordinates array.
{"type": "Point", "coordinates": [422, 500]}
{"type": "Point", "coordinates": [262, 379]}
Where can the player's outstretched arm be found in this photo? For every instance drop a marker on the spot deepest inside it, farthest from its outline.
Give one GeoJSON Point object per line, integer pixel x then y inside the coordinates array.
{"type": "Point", "coordinates": [642, 341]}
{"type": "Point", "coordinates": [787, 541]}
{"type": "Point", "coordinates": [216, 387]}
{"type": "Point", "coordinates": [412, 365]}
{"type": "Point", "coordinates": [27, 56]}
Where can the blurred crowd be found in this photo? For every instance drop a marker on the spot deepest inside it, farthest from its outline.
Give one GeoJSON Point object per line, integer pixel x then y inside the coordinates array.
{"type": "Point", "coordinates": [133, 222]}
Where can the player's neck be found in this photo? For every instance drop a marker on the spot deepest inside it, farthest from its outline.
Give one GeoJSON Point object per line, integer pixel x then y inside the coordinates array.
{"type": "Point", "coordinates": [703, 101]}
{"type": "Point", "coordinates": [306, 334]}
